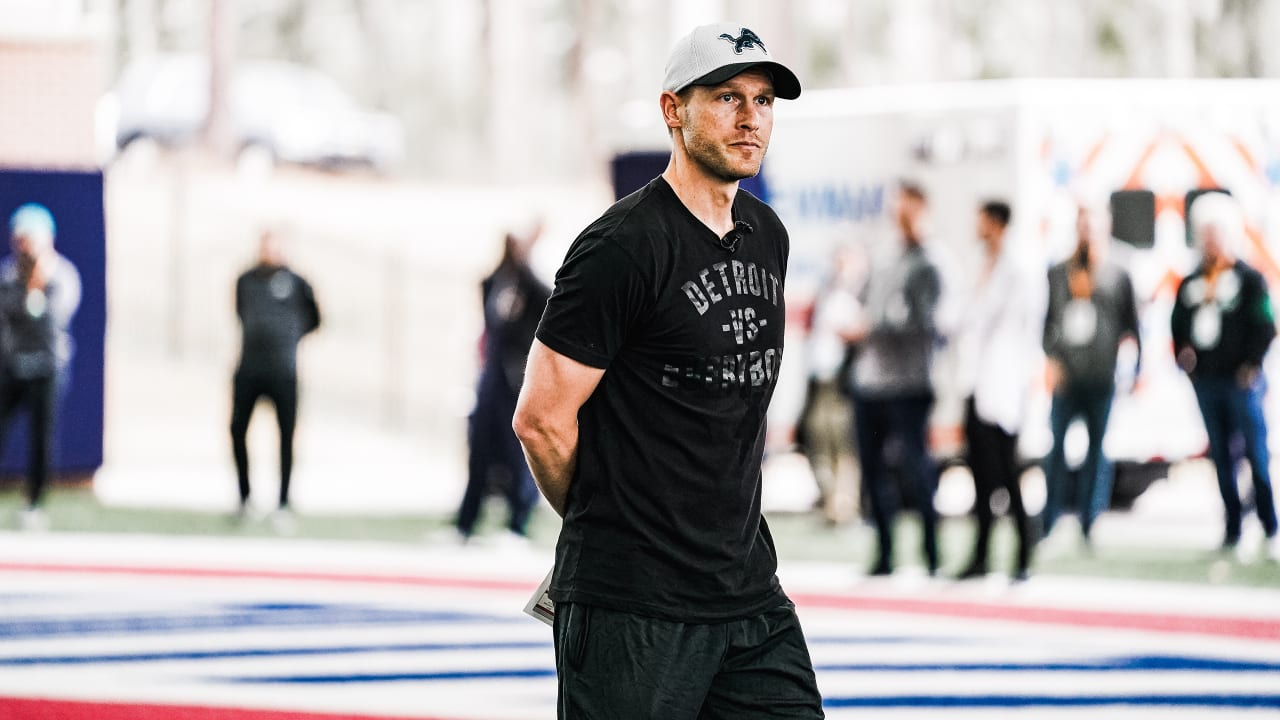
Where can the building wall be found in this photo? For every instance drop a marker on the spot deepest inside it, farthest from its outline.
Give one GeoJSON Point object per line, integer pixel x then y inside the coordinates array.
{"type": "Point", "coordinates": [49, 89]}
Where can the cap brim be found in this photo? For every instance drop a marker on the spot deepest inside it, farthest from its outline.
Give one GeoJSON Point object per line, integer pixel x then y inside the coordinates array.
{"type": "Point", "coordinates": [785, 83]}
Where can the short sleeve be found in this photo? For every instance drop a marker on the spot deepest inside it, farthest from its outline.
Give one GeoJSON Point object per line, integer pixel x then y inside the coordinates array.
{"type": "Point", "coordinates": [599, 293]}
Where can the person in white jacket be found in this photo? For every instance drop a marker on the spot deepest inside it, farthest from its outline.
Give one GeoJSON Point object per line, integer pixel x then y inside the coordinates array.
{"type": "Point", "coordinates": [999, 342]}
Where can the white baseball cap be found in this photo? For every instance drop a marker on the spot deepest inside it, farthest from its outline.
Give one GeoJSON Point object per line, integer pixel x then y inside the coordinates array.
{"type": "Point", "coordinates": [712, 54]}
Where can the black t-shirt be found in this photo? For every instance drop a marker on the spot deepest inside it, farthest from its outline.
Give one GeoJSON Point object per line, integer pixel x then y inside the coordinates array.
{"type": "Point", "coordinates": [276, 309]}
{"type": "Point", "coordinates": [1228, 325]}
{"type": "Point", "coordinates": [663, 515]}
{"type": "Point", "coordinates": [514, 299]}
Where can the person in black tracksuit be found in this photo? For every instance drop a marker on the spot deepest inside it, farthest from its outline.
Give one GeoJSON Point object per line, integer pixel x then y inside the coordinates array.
{"type": "Point", "coordinates": [513, 302]}
{"type": "Point", "coordinates": [276, 308]}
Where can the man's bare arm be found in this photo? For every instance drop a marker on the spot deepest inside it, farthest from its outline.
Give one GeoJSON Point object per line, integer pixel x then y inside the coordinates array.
{"type": "Point", "coordinates": [546, 419]}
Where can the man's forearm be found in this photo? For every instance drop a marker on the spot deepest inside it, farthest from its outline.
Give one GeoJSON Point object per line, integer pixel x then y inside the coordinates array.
{"type": "Point", "coordinates": [552, 457]}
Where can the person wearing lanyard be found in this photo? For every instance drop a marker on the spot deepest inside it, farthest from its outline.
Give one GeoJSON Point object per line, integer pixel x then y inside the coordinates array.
{"type": "Point", "coordinates": [1222, 325]}
{"type": "Point", "coordinates": [1091, 310]}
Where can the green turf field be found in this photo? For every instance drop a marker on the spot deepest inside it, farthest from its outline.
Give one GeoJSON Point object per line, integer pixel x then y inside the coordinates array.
{"type": "Point", "coordinates": [797, 536]}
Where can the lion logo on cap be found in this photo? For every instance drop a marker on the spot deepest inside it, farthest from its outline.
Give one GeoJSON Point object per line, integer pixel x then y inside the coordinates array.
{"type": "Point", "coordinates": [746, 39]}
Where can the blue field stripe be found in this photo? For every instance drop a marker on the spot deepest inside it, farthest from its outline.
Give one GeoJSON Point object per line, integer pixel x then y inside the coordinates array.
{"type": "Point", "coordinates": [234, 617]}
{"type": "Point", "coordinates": [241, 653]}
{"type": "Point", "coordinates": [1050, 701]}
{"type": "Point", "coordinates": [233, 653]}
{"type": "Point", "coordinates": [511, 674]}
{"type": "Point", "coordinates": [885, 640]}
{"type": "Point", "coordinates": [1145, 663]}
{"type": "Point", "coordinates": [1135, 664]}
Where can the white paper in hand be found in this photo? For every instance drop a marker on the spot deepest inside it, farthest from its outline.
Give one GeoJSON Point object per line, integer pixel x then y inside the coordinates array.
{"type": "Point", "coordinates": [540, 605]}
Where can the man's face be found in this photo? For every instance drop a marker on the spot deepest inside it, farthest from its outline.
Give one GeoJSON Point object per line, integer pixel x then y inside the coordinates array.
{"type": "Point", "coordinates": [726, 127]}
{"type": "Point", "coordinates": [28, 244]}
{"type": "Point", "coordinates": [1211, 249]}
{"type": "Point", "coordinates": [270, 251]}
{"type": "Point", "coordinates": [1092, 227]}
{"type": "Point", "coordinates": [908, 211]}
{"type": "Point", "coordinates": [988, 229]}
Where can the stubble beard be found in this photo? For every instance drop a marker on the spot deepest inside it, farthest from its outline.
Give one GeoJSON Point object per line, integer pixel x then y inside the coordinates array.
{"type": "Point", "coordinates": [715, 160]}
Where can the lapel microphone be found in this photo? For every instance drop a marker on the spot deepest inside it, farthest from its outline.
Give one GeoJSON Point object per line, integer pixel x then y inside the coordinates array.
{"type": "Point", "coordinates": [733, 238]}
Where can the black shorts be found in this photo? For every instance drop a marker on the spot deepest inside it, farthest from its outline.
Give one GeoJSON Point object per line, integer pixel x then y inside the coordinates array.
{"type": "Point", "coordinates": [619, 666]}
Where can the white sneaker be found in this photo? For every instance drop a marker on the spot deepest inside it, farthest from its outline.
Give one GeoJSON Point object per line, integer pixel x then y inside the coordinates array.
{"type": "Point", "coordinates": [1064, 540]}
{"type": "Point", "coordinates": [33, 520]}
{"type": "Point", "coordinates": [448, 537]}
{"type": "Point", "coordinates": [1251, 544]}
{"type": "Point", "coordinates": [284, 522]}
{"type": "Point", "coordinates": [507, 541]}
{"type": "Point", "coordinates": [1273, 545]}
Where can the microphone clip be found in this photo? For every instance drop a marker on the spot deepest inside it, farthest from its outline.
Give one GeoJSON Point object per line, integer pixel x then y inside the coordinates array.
{"type": "Point", "coordinates": [733, 238]}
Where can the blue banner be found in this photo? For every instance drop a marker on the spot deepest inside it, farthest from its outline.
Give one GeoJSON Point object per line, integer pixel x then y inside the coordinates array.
{"type": "Point", "coordinates": [76, 201]}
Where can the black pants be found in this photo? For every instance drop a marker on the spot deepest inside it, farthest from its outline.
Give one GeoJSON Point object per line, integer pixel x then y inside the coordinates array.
{"type": "Point", "coordinates": [904, 420]}
{"type": "Point", "coordinates": [993, 460]}
{"type": "Point", "coordinates": [492, 444]}
{"type": "Point", "coordinates": [618, 666]}
{"type": "Point", "coordinates": [37, 396]}
{"type": "Point", "coordinates": [247, 388]}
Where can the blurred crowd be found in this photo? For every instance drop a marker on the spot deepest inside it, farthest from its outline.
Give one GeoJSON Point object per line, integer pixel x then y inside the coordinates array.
{"type": "Point", "coordinates": [876, 329]}
{"type": "Point", "coordinates": [873, 336]}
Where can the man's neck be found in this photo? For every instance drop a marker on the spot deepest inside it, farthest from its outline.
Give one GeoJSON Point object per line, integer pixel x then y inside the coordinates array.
{"type": "Point", "coordinates": [995, 245]}
{"type": "Point", "coordinates": [709, 199]}
{"type": "Point", "coordinates": [1224, 263]}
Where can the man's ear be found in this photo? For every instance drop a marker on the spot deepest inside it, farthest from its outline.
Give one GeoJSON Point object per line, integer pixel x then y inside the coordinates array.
{"type": "Point", "coordinates": [671, 104]}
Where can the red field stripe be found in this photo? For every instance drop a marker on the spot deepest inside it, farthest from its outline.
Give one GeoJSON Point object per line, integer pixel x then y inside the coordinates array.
{"type": "Point", "coordinates": [245, 574]}
{"type": "Point", "coordinates": [28, 709]}
{"type": "Point", "coordinates": [1248, 628]}
{"type": "Point", "coordinates": [1235, 627]}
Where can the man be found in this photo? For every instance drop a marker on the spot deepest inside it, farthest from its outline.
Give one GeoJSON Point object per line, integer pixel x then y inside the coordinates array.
{"type": "Point", "coordinates": [891, 383]}
{"type": "Point", "coordinates": [513, 300]}
{"type": "Point", "coordinates": [643, 419]}
{"type": "Point", "coordinates": [1091, 311]}
{"type": "Point", "coordinates": [997, 349]}
{"type": "Point", "coordinates": [39, 296]}
{"type": "Point", "coordinates": [276, 308]}
{"type": "Point", "coordinates": [1222, 326]}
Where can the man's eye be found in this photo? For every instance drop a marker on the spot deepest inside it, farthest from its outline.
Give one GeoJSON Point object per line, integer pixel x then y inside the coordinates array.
{"type": "Point", "coordinates": [727, 97]}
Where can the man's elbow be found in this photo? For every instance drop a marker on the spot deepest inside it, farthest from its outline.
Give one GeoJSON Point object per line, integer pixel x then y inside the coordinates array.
{"type": "Point", "coordinates": [527, 424]}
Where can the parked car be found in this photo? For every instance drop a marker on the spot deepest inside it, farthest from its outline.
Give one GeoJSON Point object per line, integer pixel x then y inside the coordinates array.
{"type": "Point", "coordinates": [288, 112]}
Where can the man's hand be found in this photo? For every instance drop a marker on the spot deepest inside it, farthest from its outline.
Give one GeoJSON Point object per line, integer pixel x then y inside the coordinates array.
{"type": "Point", "coordinates": [41, 269]}
{"type": "Point", "coordinates": [1053, 374]}
{"type": "Point", "coordinates": [856, 330]}
{"type": "Point", "coordinates": [1187, 359]}
{"type": "Point", "coordinates": [1246, 376]}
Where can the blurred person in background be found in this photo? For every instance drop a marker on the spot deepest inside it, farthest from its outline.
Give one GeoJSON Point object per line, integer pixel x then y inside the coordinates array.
{"type": "Point", "coordinates": [997, 338]}
{"type": "Point", "coordinates": [513, 299]}
{"type": "Point", "coordinates": [825, 428]}
{"type": "Point", "coordinates": [1091, 310]}
{"type": "Point", "coordinates": [276, 308]}
{"type": "Point", "coordinates": [643, 418]}
{"type": "Point", "coordinates": [890, 380]}
{"type": "Point", "coordinates": [1222, 326]}
{"type": "Point", "coordinates": [39, 296]}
